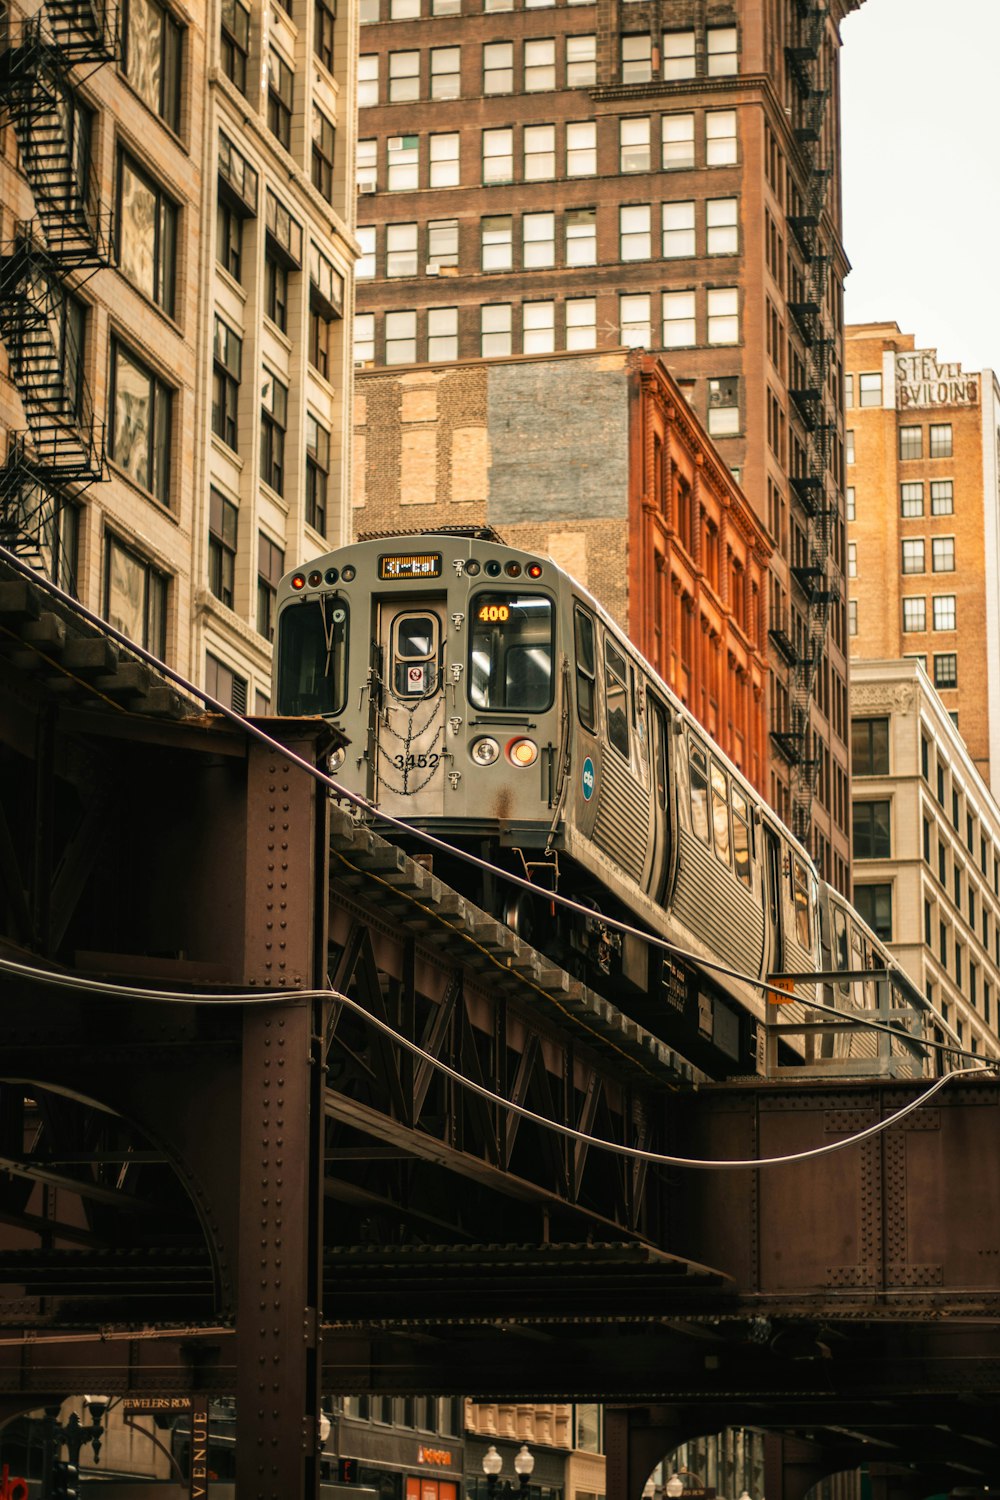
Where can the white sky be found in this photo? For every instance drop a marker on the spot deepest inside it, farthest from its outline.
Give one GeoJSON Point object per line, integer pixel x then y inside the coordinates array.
{"type": "Point", "coordinates": [921, 130]}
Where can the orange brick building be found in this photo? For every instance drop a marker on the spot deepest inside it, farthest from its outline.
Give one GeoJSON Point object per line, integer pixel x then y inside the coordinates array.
{"type": "Point", "coordinates": [598, 461]}
{"type": "Point", "coordinates": [923, 505]}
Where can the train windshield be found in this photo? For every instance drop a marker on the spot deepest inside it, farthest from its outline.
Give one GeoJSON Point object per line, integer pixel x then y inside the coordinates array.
{"type": "Point", "coordinates": [510, 663]}
{"type": "Point", "coordinates": [312, 656]}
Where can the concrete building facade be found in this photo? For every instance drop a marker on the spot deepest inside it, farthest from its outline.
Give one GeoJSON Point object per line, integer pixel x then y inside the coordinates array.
{"type": "Point", "coordinates": [540, 177]}
{"type": "Point", "coordinates": [177, 210]}
{"type": "Point", "coordinates": [598, 461]}
{"type": "Point", "coordinates": [923, 477]}
{"type": "Point", "coordinates": [926, 846]}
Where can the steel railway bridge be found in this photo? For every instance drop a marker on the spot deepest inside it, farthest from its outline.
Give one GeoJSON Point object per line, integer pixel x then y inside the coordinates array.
{"type": "Point", "coordinates": [243, 1184]}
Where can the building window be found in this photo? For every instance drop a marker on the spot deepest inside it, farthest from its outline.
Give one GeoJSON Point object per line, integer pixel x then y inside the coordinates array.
{"type": "Point", "coordinates": [498, 243]}
{"type": "Point", "coordinates": [369, 12]}
{"type": "Point", "coordinates": [227, 358]}
{"type": "Point", "coordinates": [870, 390]}
{"type": "Point", "coordinates": [678, 54]}
{"type": "Point", "coordinates": [943, 554]}
{"type": "Point", "coordinates": [912, 499]}
{"type": "Point", "coordinates": [849, 503]}
{"type": "Point", "coordinates": [280, 92]}
{"type": "Point", "coordinates": [849, 445]}
{"type": "Point", "coordinates": [326, 303]}
{"type": "Point", "coordinates": [581, 237]}
{"type": "Point", "coordinates": [152, 61]}
{"type": "Point", "coordinates": [229, 239]}
{"type": "Point", "coordinates": [720, 138]}
{"type": "Point", "coordinates": [401, 338]}
{"type": "Point", "coordinates": [270, 566]}
{"type": "Point", "coordinates": [634, 154]}
{"type": "Point", "coordinates": [365, 269]}
{"type": "Point", "coordinates": [848, 392]}
{"type": "Point", "coordinates": [678, 230]}
{"type": "Point", "coordinates": [446, 80]}
{"type": "Point", "coordinates": [678, 142]}
{"type": "Point", "coordinates": [364, 338]}
{"type": "Point", "coordinates": [911, 443]}
{"type": "Point", "coordinates": [944, 611]}
{"type": "Point", "coordinates": [581, 323]}
{"type": "Point", "coordinates": [367, 80]}
{"type": "Point", "coordinates": [539, 65]}
{"type": "Point", "coordinates": [498, 68]}
{"type": "Point", "coordinates": [581, 148]}
{"type": "Point", "coordinates": [678, 320]}
{"type": "Point", "coordinates": [223, 521]}
{"type": "Point", "coordinates": [539, 335]}
{"type": "Point", "coordinates": [147, 234]}
{"type": "Point", "coordinates": [319, 342]}
{"type": "Point", "coordinates": [401, 250]}
{"type": "Point", "coordinates": [723, 57]}
{"type": "Point", "coordinates": [442, 242]}
{"type": "Point", "coordinates": [367, 165]}
{"type": "Point", "coordinates": [495, 326]}
{"type": "Point", "coordinates": [403, 163]}
{"type": "Point", "coordinates": [275, 289]}
{"type": "Point", "coordinates": [322, 154]}
{"type": "Point", "coordinates": [721, 226]}
{"type": "Point", "coordinates": [235, 42]}
{"type": "Point", "coordinates": [634, 320]}
{"type": "Point", "coordinates": [914, 614]}
{"type": "Point", "coordinates": [538, 242]}
{"type": "Point", "coordinates": [581, 61]}
{"type": "Point", "coordinates": [940, 440]}
{"type": "Point", "coordinates": [588, 1427]}
{"type": "Point", "coordinates": [442, 333]}
{"type": "Point", "coordinates": [852, 617]}
{"type": "Point", "coordinates": [273, 422]}
{"type": "Point", "coordinates": [317, 473]}
{"type": "Point", "coordinates": [871, 830]}
{"type": "Point", "coordinates": [874, 905]}
{"type": "Point", "coordinates": [444, 160]}
{"type": "Point", "coordinates": [141, 407]}
{"type": "Point", "coordinates": [870, 747]}
{"type": "Point", "coordinates": [404, 76]}
{"type": "Point", "coordinates": [324, 20]}
{"type": "Point", "coordinates": [492, 5]}
{"type": "Point", "coordinates": [913, 555]}
{"type": "Point", "coordinates": [635, 241]}
{"type": "Point", "coordinates": [135, 597]}
{"type": "Point", "coordinates": [852, 559]}
{"type": "Point", "coordinates": [946, 670]}
{"type": "Point", "coordinates": [224, 685]}
{"type": "Point", "coordinates": [724, 315]}
{"type": "Point", "coordinates": [637, 58]}
{"type": "Point", "coordinates": [539, 152]}
{"type": "Point", "coordinates": [404, 10]}
{"type": "Point", "coordinates": [942, 497]}
{"type": "Point", "coordinates": [724, 406]}
{"type": "Point", "coordinates": [498, 156]}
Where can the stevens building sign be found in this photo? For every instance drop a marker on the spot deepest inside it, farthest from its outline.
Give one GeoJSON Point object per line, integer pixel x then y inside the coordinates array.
{"type": "Point", "coordinates": [921, 381]}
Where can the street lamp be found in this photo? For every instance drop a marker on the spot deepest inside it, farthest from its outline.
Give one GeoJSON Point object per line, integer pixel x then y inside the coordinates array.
{"type": "Point", "coordinates": [675, 1486]}
{"type": "Point", "coordinates": [524, 1466]}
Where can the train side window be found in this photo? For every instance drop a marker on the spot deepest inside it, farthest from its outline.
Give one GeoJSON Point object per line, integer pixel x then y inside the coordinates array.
{"type": "Point", "coordinates": [841, 952]}
{"type": "Point", "coordinates": [586, 669]}
{"type": "Point", "coordinates": [616, 697]}
{"type": "Point", "coordinates": [698, 765]}
{"type": "Point", "coordinates": [414, 654]}
{"type": "Point", "coordinates": [803, 905]}
{"type": "Point", "coordinates": [720, 812]}
{"type": "Point", "coordinates": [741, 839]}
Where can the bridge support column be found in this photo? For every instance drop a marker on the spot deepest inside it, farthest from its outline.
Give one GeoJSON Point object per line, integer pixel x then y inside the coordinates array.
{"type": "Point", "coordinates": [635, 1439]}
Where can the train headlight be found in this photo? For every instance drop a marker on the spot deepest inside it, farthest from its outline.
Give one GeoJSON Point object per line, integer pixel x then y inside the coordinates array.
{"type": "Point", "coordinates": [522, 752]}
{"type": "Point", "coordinates": [348, 573]}
{"type": "Point", "coordinates": [336, 759]}
{"type": "Point", "coordinates": [485, 751]}
{"type": "Point", "coordinates": [472, 566]}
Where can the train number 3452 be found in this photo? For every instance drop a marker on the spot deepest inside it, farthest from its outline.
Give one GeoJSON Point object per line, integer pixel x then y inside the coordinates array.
{"type": "Point", "coordinates": [416, 762]}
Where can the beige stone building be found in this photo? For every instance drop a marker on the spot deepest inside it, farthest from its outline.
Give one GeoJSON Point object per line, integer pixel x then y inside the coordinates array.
{"type": "Point", "coordinates": [177, 201]}
{"type": "Point", "coordinates": [926, 846]}
{"type": "Point", "coordinates": [923, 503]}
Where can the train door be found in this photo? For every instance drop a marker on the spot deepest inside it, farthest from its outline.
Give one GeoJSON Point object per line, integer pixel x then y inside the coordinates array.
{"type": "Point", "coordinates": [409, 729]}
{"type": "Point", "coordinates": [774, 946]}
{"type": "Point", "coordinates": [662, 809]}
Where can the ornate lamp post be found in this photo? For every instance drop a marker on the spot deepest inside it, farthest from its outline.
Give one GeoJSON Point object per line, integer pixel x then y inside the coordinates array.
{"type": "Point", "coordinates": [524, 1466]}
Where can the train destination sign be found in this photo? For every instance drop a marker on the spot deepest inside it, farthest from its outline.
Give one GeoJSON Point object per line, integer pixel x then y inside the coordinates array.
{"type": "Point", "coordinates": [921, 381]}
{"type": "Point", "coordinates": [394, 566]}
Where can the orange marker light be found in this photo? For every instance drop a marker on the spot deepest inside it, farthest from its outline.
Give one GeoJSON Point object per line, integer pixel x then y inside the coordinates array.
{"type": "Point", "coordinates": [522, 752]}
{"type": "Point", "coordinates": [299, 581]}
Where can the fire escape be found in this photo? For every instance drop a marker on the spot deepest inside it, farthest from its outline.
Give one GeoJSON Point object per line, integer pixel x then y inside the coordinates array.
{"type": "Point", "coordinates": [61, 449]}
{"type": "Point", "coordinates": [815, 485]}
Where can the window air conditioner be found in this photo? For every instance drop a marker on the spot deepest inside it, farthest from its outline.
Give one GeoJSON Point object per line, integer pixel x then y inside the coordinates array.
{"type": "Point", "coordinates": [366, 182]}
{"type": "Point", "coordinates": [395, 143]}
{"type": "Point", "coordinates": [432, 268]}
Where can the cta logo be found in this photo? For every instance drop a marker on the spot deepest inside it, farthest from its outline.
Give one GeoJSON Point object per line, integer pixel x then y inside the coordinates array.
{"type": "Point", "coordinates": [589, 779]}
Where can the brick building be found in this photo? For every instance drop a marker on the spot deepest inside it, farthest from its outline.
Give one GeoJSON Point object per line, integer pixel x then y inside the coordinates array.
{"type": "Point", "coordinates": [538, 176]}
{"type": "Point", "coordinates": [597, 461]}
{"type": "Point", "coordinates": [176, 262]}
{"type": "Point", "coordinates": [923, 476]}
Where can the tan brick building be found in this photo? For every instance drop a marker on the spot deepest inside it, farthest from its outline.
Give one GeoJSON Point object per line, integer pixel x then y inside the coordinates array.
{"type": "Point", "coordinates": [176, 223]}
{"type": "Point", "coordinates": [538, 177]}
{"type": "Point", "coordinates": [924, 523]}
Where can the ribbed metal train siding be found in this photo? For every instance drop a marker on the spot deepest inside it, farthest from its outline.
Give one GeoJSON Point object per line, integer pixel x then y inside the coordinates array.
{"type": "Point", "coordinates": [711, 903]}
{"type": "Point", "coordinates": [621, 827]}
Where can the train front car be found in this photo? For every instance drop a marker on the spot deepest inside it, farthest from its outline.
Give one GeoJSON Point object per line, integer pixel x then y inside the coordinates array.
{"type": "Point", "coordinates": [436, 656]}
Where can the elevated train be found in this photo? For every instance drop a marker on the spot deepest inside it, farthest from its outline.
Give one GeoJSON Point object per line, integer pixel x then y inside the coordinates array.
{"type": "Point", "coordinates": [487, 697]}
